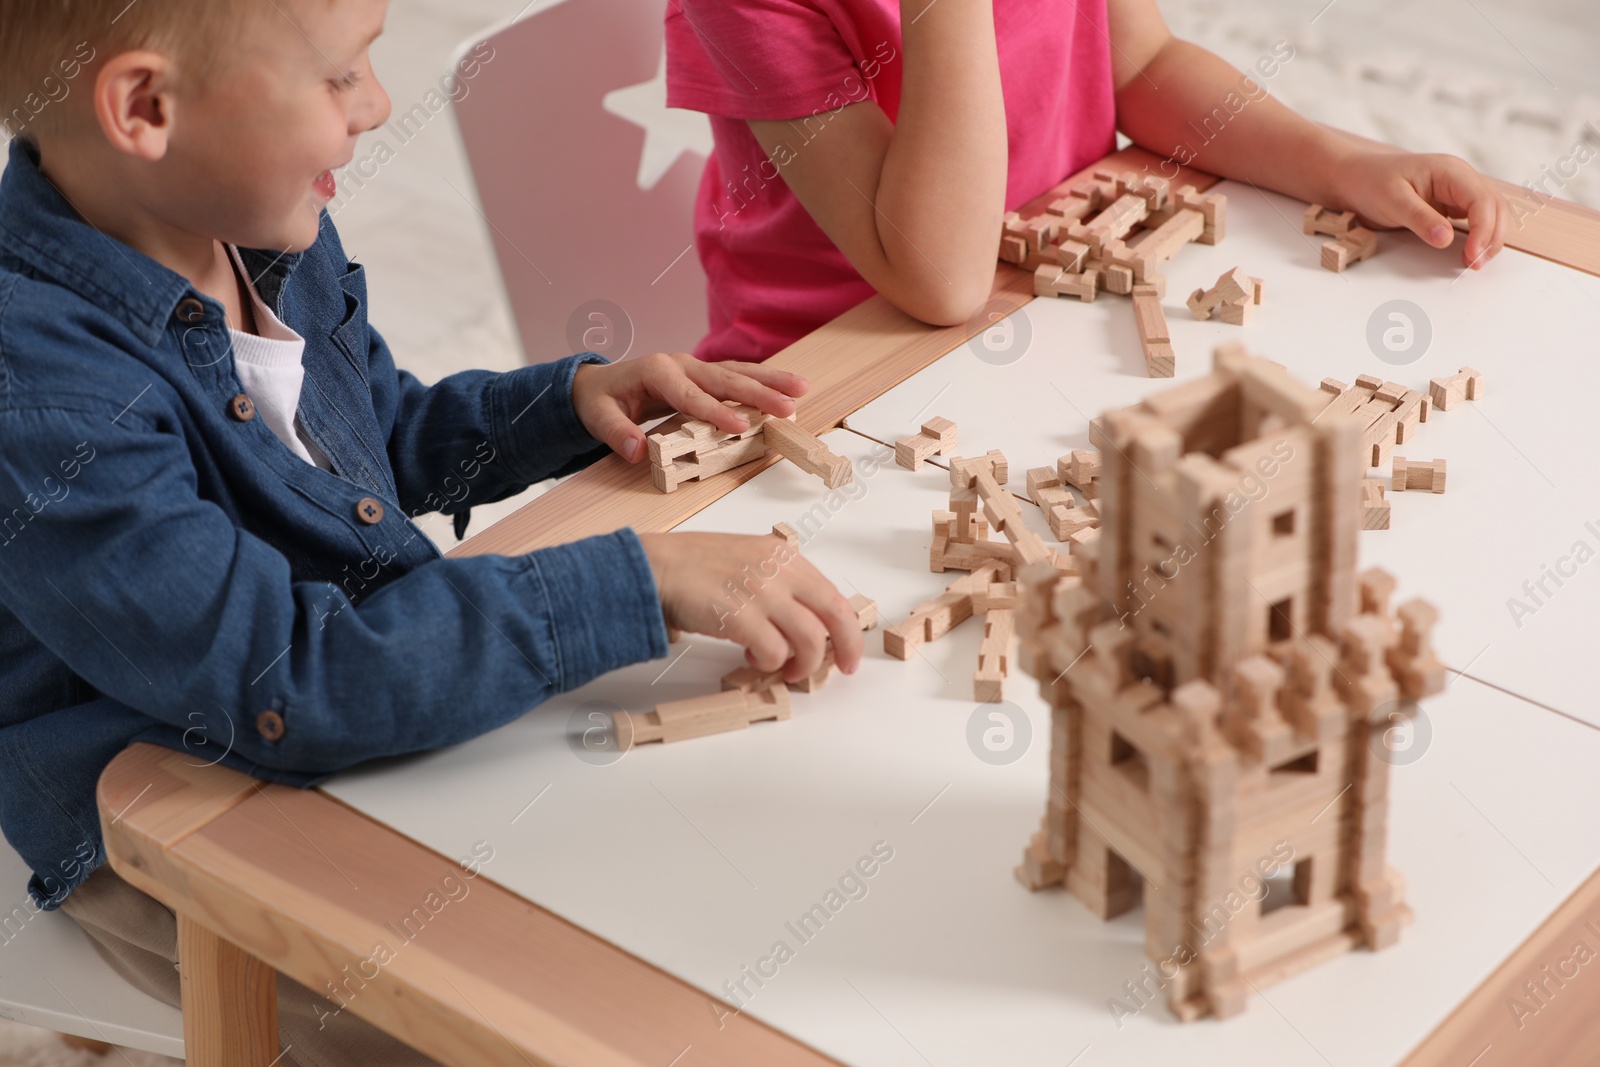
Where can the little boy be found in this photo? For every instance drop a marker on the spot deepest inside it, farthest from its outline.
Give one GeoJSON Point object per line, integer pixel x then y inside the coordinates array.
{"type": "Point", "coordinates": [208, 460]}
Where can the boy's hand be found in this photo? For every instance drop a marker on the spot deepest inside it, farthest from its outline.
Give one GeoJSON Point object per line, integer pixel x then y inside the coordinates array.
{"type": "Point", "coordinates": [612, 399]}
{"type": "Point", "coordinates": [758, 591]}
{"type": "Point", "coordinates": [1403, 189]}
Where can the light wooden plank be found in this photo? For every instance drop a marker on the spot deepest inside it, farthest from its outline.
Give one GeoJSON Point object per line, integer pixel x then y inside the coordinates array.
{"type": "Point", "coordinates": [1565, 1032]}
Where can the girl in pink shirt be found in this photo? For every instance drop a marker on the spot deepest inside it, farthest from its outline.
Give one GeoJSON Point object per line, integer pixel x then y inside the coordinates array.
{"type": "Point", "coordinates": [873, 145]}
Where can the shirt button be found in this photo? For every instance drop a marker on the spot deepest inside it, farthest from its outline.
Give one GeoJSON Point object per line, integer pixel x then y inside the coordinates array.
{"type": "Point", "coordinates": [269, 724]}
{"type": "Point", "coordinates": [242, 408]}
{"type": "Point", "coordinates": [369, 511]}
{"type": "Point", "coordinates": [190, 310]}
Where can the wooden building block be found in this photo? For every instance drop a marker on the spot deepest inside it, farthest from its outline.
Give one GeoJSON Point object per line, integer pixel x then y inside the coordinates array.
{"type": "Point", "coordinates": [1114, 221]}
{"type": "Point", "coordinates": [1410, 412]}
{"type": "Point", "coordinates": [964, 470]}
{"type": "Point", "coordinates": [994, 656]}
{"type": "Point", "coordinates": [1448, 391]}
{"type": "Point", "coordinates": [787, 533]}
{"type": "Point", "coordinates": [1426, 475]}
{"type": "Point", "coordinates": [1232, 286]}
{"type": "Point", "coordinates": [1071, 255]}
{"type": "Point", "coordinates": [1319, 220]}
{"type": "Point", "coordinates": [1055, 280]}
{"type": "Point", "coordinates": [1116, 278]}
{"type": "Point", "coordinates": [936, 438]}
{"type": "Point", "coordinates": [1054, 496]}
{"type": "Point", "coordinates": [1039, 478]}
{"type": "Point", "coordinates": [749, 680]}
{"type": "Point", "coordinates": [1041, 231]}
{"type": "Point", "coordinates": [937, 616]}
{"type": "Point", "coordinates": [993, 596]}
{"type": "Point", "coordinates": [785, 437]}
{"type": "Point", "coordinates": [698, 449]}
{"type": "Point", "coordinates": [1153, 335]}
{"type": "Point", "coordinates": [1390, 393]}
{"type": "Point", "coordinates": [1213, 208]}
{"type": "Point", "coordinates": [1066, 521]}
{"type": "Point", "coordinates": [716, 713]}
{"type": "Point", "coordinates": [1234, 312]}
{"type": "Point", "coordinates": [1077, 204]}
{"type": "Point", "coordinates": [1167, 240]}
{"type": "Point", "coordinates": [1374, 508]}
{"type": "Point", "coordinates": [866, 610]}
{"type": "Point", "coordinates": [1079, 467]}
{"type": "Point", "coordinates": [1354, 246]}
{"type": "Point", "coordinates": [1001, 508]}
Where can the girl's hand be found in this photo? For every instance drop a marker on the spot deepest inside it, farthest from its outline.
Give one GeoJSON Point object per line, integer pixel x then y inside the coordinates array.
{"type": "Point", "coordinates": [612, 399]}
{"type": "Point", "coordinates": [1417, 192]}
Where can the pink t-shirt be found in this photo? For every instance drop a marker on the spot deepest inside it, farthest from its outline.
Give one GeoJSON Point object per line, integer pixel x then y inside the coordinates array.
{"type": "Point", "coordinates": [772, 274]}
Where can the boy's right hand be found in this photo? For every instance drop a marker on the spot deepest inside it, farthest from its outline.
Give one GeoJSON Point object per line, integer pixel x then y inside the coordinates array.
{"type": "Point", "coordinates": [757, 591]}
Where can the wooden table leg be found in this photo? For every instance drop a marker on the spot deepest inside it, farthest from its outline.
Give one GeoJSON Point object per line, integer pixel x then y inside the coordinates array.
{"type": "Point", "coordinates": [230, 1002]}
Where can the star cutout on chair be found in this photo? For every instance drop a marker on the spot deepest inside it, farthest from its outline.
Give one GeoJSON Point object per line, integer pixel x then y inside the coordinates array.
{"type": "Point", "coordinates": [668, 132]}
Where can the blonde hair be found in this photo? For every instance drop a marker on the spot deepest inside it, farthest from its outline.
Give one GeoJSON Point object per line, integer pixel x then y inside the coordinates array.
{"type": "Point", "coordinates": [46, 44]}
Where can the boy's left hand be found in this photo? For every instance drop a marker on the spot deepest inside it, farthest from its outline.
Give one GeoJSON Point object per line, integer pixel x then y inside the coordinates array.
{"type": "Point", "coordinates": [1418, 192]}
{"type": "Point", "coordinates": [611, 399]}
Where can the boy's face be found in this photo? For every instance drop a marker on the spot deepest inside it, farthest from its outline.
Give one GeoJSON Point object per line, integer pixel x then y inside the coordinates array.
{"type": "Point", "coordinates": [251, 154]}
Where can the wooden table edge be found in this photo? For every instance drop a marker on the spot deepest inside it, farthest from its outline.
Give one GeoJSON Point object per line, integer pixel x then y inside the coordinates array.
{"type": "Point", "coordinates": [142, 832]}
{"type": "Point", "coordinates": [175, 840]}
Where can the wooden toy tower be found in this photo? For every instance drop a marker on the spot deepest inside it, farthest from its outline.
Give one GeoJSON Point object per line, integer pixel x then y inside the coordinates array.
{"type": "Point", "coordinates": [1220, 680]}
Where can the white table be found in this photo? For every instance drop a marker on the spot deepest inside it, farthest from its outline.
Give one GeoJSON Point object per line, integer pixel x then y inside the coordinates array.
{"type": "Point", "coordinates": [694, 855]}
{"type": "Point", "coordinates": [1522, 487]}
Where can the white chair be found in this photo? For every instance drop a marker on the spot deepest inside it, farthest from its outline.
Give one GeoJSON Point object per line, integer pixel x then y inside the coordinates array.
{"type": "Point", "coordinates": [591, 216]}
{"type": "Point", "coordinates": [51, 977]}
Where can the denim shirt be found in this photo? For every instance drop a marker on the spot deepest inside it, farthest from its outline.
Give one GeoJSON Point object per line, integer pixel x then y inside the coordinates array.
{"type": "Point", "coordinates": [171, 572]}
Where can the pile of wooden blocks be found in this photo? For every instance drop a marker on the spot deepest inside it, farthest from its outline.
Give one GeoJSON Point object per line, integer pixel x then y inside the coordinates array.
{"type": "Point", "coordinates": [936, 438]}
{"type": "Point", "coordinates": [1388, 411]}
{"type": "Point", "coordinates": [1047, 488]}
{"type": "Point", "coordinates": [978, 502]}
{"type": "Point", "coordinates": [1211, 716]}
{"type": "Point", "coordinates": [1230, 299]}
{"type": "Point", "coordinates": [1390, 414]}
{"type": "Point", "coordinates": [1111, 234]}
{"type": "Point", "coordinates": [698, 450]}
{"type": "Point", "coordinates": [1350, 244]}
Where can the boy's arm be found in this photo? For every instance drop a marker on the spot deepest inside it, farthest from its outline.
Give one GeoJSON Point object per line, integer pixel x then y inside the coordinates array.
{"type": "Point", "coordinates": [1167, 88]}
{"type": "Point", "coordinates": [915, 206]}
{"type": "Point", "coordinates": [158, 601]}
{"type": "Point", "coordinates": [478, 436]}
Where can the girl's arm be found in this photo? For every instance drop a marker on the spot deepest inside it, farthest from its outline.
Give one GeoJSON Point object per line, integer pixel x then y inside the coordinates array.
{"type": "Point", "coordinates": [1163, 84]}
{"type": "Point", "coordinates": [915, 205]}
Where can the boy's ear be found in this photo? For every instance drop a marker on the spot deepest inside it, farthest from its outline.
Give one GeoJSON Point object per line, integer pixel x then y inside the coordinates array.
{"type": "Point", "coordinates": [133, 102]}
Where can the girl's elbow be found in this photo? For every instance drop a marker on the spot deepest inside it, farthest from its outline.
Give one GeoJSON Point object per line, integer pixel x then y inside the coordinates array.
{"type": "Point", "coordinates": [947, 302]}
